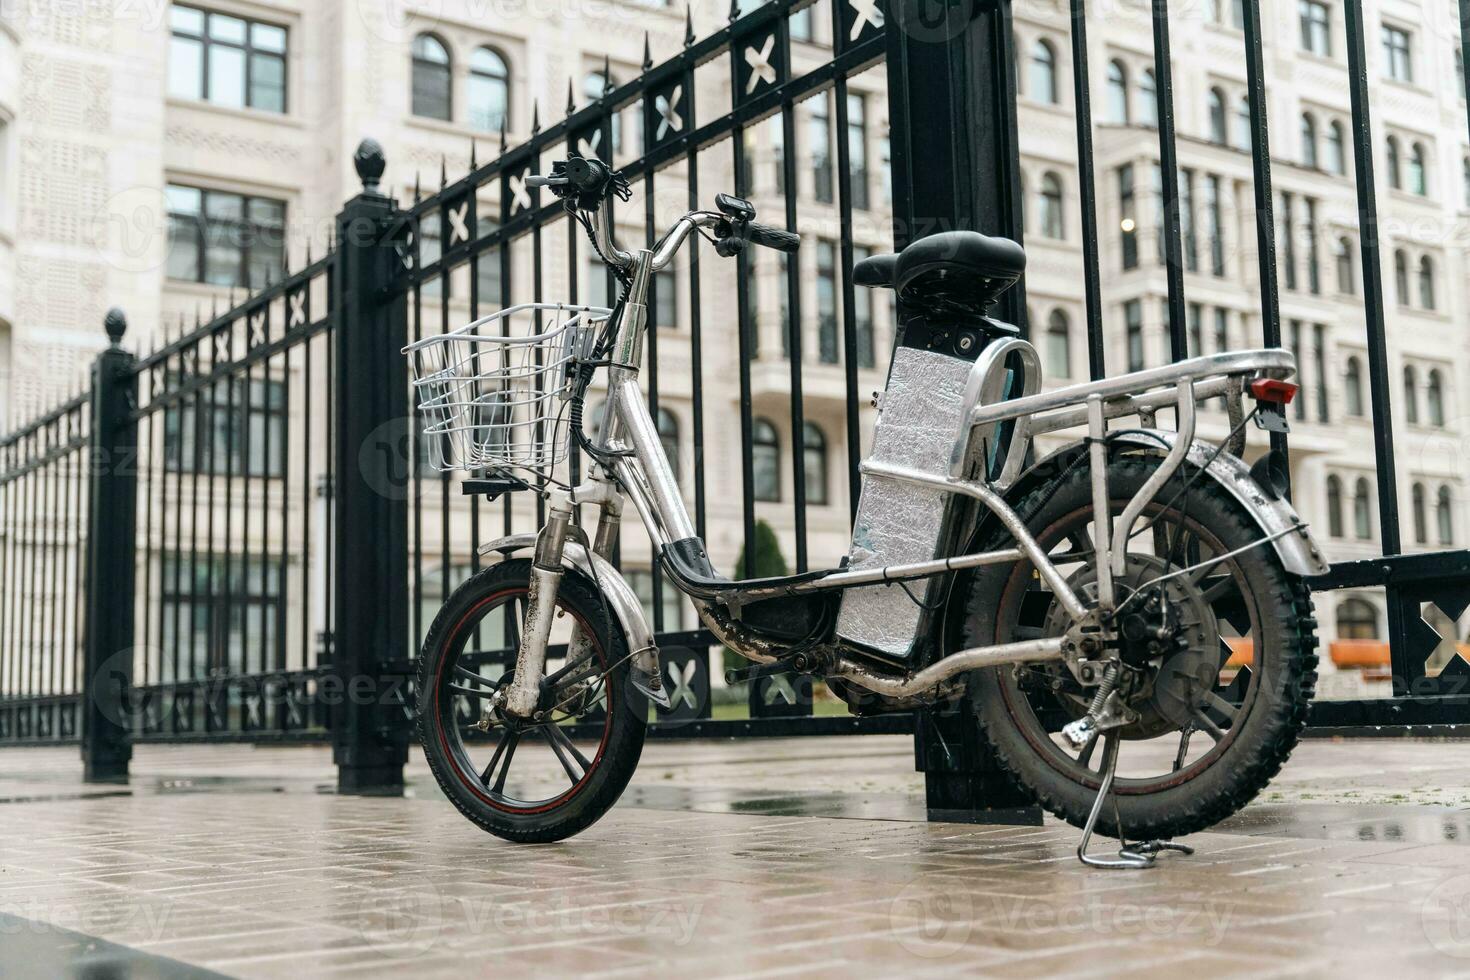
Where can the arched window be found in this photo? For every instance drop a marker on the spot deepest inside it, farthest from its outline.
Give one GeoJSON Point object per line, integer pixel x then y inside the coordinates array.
{"type": "Point", "coordinates": [1342, 252]}
{"type": "Point", "coordinates": [1362, 510]}
{"type": "Point", "coordinates": [1411, 393]}
{"type": "Point", "coordinates": [432, 96]}
{"type": "Point", "coordinates": [1353, 386]}
{"type": "Point", "coordinates": [1401, 276]}
{"type": "Point", "coordinates": [668, 438]}
{"type": "Point", "coordinates": [1336, 148]}
{"type": "Point", "coordinates": [1043, 81]}
{"type": "Point", "coordinates": [594, 87]}
{"type": "Point", "coordinates": [1148, 98]}
{"type": "Point", "coordinates": [1444, 517]}
{"type": "Point", "coordinates": [1395, 168]}
{"type": "Point", "coordinates": [1418, 171]}
{"type": "Point", "coordinates": [1243, 123]}
{"type": "Point", "coordinates": [1050, 206]}
{"type": "Point", "coordinates": [1117, 92]}
{"type": "Point", "coordinates": [1421, 532]}
{"type": "Point", "coordinates": [1434, 398]}
{"type": "Point", "coordinates": [814, 463]}
{"type": "Point", "coordinates": [1309, 140]}
{"type": "Point", "coordinates": [489, 93]}
{"type": "Point", "coordinates": [1058, 345]}
{"type": "Point", "coordinates": [765, 460]}
{"type": "Point", "coordinates": [1334, 506]}
{"type": "Point", "coordinates": [1217, 116]}
{"type": "Point", "coordinates": [1357, 620]}
{"type": "Point", "coordinates": [1426, 282]}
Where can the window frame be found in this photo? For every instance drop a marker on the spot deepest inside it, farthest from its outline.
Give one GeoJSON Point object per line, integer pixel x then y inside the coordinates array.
{"type": "Point", "coordinates": [417, 62]}
{"type": "Point", "coordinates": [483, 75]}
{"type": "Point", "coordinates": [248, 49]}
{"type": "Point", "coordinates": [203, 222]}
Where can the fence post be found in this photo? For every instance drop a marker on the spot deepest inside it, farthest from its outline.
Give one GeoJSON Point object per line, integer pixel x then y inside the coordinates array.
{"type": "Point", "coordinates": [952, 98]}
{"type": "Point", "coordinates": [370, 723]}
{"type": "Point", "coordinates": [112, 514]}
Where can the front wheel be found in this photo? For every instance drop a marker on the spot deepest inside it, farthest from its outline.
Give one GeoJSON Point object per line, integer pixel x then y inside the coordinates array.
{"type": "Point", "coordinates": [553, 776]}
{"type": "Point", "coordinates": [1219, 681]}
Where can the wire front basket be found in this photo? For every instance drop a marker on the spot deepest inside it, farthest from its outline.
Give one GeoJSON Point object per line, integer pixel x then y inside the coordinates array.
{"type": "Point", "coordinates": [492, 395]}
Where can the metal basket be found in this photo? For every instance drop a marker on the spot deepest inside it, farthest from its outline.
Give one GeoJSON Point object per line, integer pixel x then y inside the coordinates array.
{"type": "Point", "coordinates": [491, 395]}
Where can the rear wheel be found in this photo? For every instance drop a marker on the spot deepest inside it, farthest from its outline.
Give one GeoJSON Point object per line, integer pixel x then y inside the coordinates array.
{"type": "Point", "coordinates": [553, 776]}
{"type": "Point", "coordinates": [1217, 705]}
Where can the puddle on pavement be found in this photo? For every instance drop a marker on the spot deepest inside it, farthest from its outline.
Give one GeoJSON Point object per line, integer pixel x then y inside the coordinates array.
{"type": "Point", "coordinates": [1404, 823]}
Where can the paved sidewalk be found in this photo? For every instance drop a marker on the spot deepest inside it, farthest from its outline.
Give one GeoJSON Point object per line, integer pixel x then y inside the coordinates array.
{"type": "Point", "coordinates": [726, 859]}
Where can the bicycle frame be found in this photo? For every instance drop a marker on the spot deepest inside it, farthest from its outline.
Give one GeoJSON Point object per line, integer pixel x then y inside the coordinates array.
{"type": "Point", "coordinates": [641, 473]}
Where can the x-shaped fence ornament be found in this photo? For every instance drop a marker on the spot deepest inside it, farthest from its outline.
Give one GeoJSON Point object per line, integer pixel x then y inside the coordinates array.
{"type": "Point", "coordinates": [867, 13]}
{"type": "Point", "coordinates": [297, 315]}
{"type": "Point", "coordinates": [222, 347]}
{"type": "Point", "coordinates": [682, 679]}
{"type": "Point", "coordinates": [589, 147]}
{"type": "Point", "coordinates": [760, 65]}
{"type": "Point", "coordinates": [257, 328]}
{"type": "Point", "coordinates": [667, 108]}
{"type": "Point", "coordinates": [779, 688]}
{"type": "Point", "coordinates": [520, 194]}
{"type": "Point", "coordinates": [459, 229]}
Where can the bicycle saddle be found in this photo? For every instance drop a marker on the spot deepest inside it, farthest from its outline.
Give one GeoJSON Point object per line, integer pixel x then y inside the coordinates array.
{"type": "Point", "coordinates": [952, 269]}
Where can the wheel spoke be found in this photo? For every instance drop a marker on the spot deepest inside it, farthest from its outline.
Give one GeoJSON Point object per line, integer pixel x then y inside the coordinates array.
{"type": "Point", "coordinates": [1221, 707]}
{"type": "Point", "coordinates": [1183, 748]}
{"type": "Point", "coordinates": [470, 692]}
{"type": "Point", "coordinates": [472, 677]}
{"type": "Point", "coordinates": [1208, 725]}
{"type": "Point", "coordinates": [1218, 588]}
{"type": "Point", "coordinates": [567, 743]}
{"type": "Point", "coordinates": [513, 622]}
{"type": "Point", "coordinates": [507, 748]}
{"type": "Point", "coordinates": [561, 755]}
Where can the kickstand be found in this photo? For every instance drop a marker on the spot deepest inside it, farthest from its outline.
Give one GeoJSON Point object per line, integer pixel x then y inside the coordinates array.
{"type": "Point", "coordinates": [1140, 855]}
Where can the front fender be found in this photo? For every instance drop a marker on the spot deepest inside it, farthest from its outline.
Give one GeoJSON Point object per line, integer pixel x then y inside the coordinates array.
{"type": "Point", "coordinates": [1297, 549]}
{"type": "Point", "coordinates": [620, 595]}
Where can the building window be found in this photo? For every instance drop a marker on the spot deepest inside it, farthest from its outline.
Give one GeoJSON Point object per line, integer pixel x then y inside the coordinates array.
{"type": "Point", "coordinates": [1222, 330]}
{"type": "Point", "coordinates": [489, 93]}
{"type": "Point", "coordinates": [220, 615]}
{"type": "Point", "coordinates": [1398, 62]}
{"type": "Point", "coordinates": [1042, 85]}
{"type": "Point", "coordinates": [1217, 116]}
{"type": "Point", "coordinates": [1334, 506]}
{"type": "Point", "coordinates": [595, 86]}
{"type": "Point", "coordinates": [1342, 254]}
{"type": "Point", "coordinates": [1401, 277]}
{"type": "Point", "coordinates": [1395, 163]}
{"type": "Point", "coordinates": [665, 608]}
{"type": "Point", "coordinates": [863, 314]}
{"type": "Point", "coordinates": [1418, 171]}
{"type": "Point", "coordinates": [1189, 241]}
{"type": "Point", "coordinates": [1194, 333]}
{"type": "Point", "coordinates": [1051, 207]}
{"type": "Point", "coordinates": [857, 149]}
{"type": "Point", "coordinates": [1336, 148]}
{"type": "Point", "coordinates": [1117, 93]}
{"type": "Point", "coordinates": [1058, 345]}
{"type": "Point", "coordinates": [1411, 394]}
{"type": "Point", "coordinates": [432, 98]}
{"type": "Point", "coordinates": [814, 464]}
{"type": "Point", "coordinates": [1362, 513]}
{"type": "Point", "coordinates": [1315, 24]}
{"type": "Point", "coordinates": [826, 301]}
{"type": "Point", "coordinates": [1288, 242]}
{"type": "Point", "coordinates": [1353, 387]}
{"type": "Point", "coordinates": [1148, 98]}
{"type": "Point", "coordinates": [765, 460]}
{"type": "Point", "coordinates": [1215, 228]}
{"type": "Point", "coordinates": [232, 428]}
{"type": "Point", "coordinates": [1243, 139]}
{"type": "Point", "coordinates": [1417, 496]}
{"type": "Point", "coordinates": [1357, 620]}
{"type": "Point", "coordinates": [228, 61]}
{"type": "Point", "coordinates": [224, 239]}
{"type": "Point", "coordinates": [1319, 365]}
{"type": "Point", "coordinates": [1426, 282]}
{"type": "Point", "coordinates": [1309, 141]}
{"type": "Point", "coordinates": [1128, 217]}
{"type": "Point", "coordinates": [1314, 265]}
{"type": "Point", "coordinates": [1444, 517]}
{"type": "Point", "coordinates": [1434, 398]}
{"type": "Point", "coordinates": [1133, 322]}
{"type": "Point", "coordinates": [488, 283]}
{"type": "Point", "coordinates": [819, 130]}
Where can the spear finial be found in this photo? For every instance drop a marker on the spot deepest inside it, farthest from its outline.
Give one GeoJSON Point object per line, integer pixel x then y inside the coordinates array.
{"type": "Point", "coordinates": [443, 172]}
{"type": "Point", "coordinates": [474, 156]}
{"type": "Point", "coordinates": [688, 26]}
{"type": "Point", "coordinates": [647, 53]}
{"type": "Point", "coordinates": [571, 103]}
{"type": "Point", "coordinates": [535, 116]}
{"type": "Point", "coordinates": [606, 74]}
{"type": "Point", "coordinates": [734, 10]}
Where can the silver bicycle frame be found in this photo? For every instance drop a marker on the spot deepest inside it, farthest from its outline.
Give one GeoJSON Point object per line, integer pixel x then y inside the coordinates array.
{"type": "Point", "coordinates": [642, 473]}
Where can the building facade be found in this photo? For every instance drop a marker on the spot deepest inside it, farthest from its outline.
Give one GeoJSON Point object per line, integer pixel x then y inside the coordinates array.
{"type": "Point", "coordinates": [168, 158]}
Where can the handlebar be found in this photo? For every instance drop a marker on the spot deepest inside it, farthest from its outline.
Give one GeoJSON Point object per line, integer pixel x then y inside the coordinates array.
{"type": "Point", "coordinates": [776, 238]}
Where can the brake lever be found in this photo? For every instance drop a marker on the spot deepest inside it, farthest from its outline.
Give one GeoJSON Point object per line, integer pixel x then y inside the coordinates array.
{"type": "Point", "coordinates": [536, 180]}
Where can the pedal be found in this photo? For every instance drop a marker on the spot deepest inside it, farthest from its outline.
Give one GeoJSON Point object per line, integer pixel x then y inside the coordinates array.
{"type": "Point", "coordinates": [740, 675]}
{"type": "Point", "coordinates": [651, 685]}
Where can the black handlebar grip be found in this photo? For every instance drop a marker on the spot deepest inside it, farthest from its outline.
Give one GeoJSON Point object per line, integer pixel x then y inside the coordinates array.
{"type": "Point", "coordinates": [781, 241]}
{"type": "Point", "coordinates": [587, 175]}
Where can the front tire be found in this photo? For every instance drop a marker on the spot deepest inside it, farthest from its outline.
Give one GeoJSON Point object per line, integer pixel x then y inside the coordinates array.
{"type": "Point", "coordinates": [1250, 724]}
{"type": "Point", "coordinates": [528, 783]}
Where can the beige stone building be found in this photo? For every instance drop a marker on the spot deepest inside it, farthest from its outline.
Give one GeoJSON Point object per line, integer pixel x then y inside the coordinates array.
{"type": "Point", "coordinates": [167, 157]}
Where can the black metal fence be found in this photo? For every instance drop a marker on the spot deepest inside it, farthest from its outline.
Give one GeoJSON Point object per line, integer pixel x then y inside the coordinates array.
{"type": "Point", "coordinates": [270, 537]}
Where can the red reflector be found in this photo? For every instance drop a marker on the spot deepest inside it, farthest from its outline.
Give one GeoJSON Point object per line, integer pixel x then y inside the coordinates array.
{"type": "Point", "coordinates": [1272, 390]}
